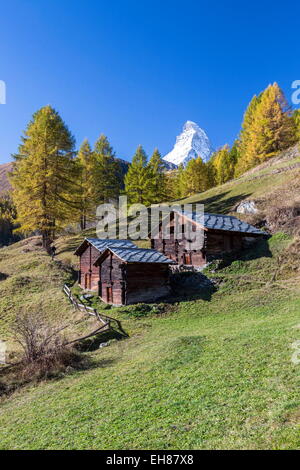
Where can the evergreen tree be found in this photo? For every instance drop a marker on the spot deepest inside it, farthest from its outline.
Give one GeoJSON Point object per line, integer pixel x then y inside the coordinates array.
{"type": "Point", "coordinates": [234, 155]}
{"type": "Point", "coordinates": [223, 162]}
{"type": "Point", "coordinates": [171, 186]}
{"type": "Point", "coordinates": [107, 174]}
{"type": "Point", "coordinates": [87, 168]}
{"type": "Point", "coordinates": [157, 179]}
{"type": "Point", "coordinates": [245, 136]}
{"type": "Point", "coordinates": [7, 219]}
{"type": "Point", "coordinates": [174, 184]}
{"type": "Point", "coordinates": [267, 129]}
{"type": "Point", "coordinates": [296, 118]}
{"type": "Point", "coordinates": [43, 175]}
{"type": "Point", "coordinates": [211, 172]}
{"type": "Point", "coordinates": [180, 189]}
{"type": "Point", "coordinates": [137, 179]}
{"type": "Point", "coordinates": [195, 177]}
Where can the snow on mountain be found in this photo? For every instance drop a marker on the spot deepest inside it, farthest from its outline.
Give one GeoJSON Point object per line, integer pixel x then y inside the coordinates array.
{"type": "Point", "coordinates": [191, 143]}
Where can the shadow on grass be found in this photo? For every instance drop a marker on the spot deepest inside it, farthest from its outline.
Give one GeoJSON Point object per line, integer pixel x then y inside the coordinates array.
{"type": "Point", "coordinates": [3, 276]}
{"type": "Point", "coordinates": [191, 286]}
{"type": "Point", "coordinates": [219, 204]}
{"type": "Point", "coordinates": [260, 249]}
{"type": "Point", "coordinates": [93, 343]}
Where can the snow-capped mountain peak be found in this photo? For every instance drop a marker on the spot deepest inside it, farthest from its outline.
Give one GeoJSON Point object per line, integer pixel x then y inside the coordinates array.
{"type": "Point", "coordinates": [191, 143]}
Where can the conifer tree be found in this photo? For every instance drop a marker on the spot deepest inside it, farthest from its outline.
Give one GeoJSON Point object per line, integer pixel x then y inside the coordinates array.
{"type": "Point", "coordinates": [269, 129]}
{"type": "Point", "coordinates": [87, 167]}
{"type": "Point", "coordinates": [171, 185]}
{"type": "Point", "coordinates": [195, 177]}
{"type": "Point", "coordinates": [157, 179]}
{"type": "Point", "coordinates": [137, 179]}
{"type": "Point", "coordinates": [174, 184]}
{"type": "Point", "coordinates": [296, 118]}
{"type": "Point", "coordinates": [43, 175]}
{"type": "Point", "coordinates": [211, 172]}
{"type": "Point", "coordinates": [245, 135]}
{"type": "Point", "coordinates": [7, 219]}
{"type": "Point", "coordinates": [107, 175]}
{"type": "Point", "coordinates": [180, 189]}
{"type": "Point", "coordinates": [223, 162]}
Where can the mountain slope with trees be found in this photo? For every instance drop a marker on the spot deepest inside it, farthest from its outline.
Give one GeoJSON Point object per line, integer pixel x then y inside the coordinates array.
{"type": "Point", "coordinates": [212, 369]}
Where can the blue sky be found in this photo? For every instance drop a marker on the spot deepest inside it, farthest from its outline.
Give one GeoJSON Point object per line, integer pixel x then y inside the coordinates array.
{"type": "Point", "coordinates": [137, 70]}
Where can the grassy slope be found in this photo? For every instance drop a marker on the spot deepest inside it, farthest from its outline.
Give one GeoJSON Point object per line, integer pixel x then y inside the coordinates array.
{"type": "Point", "coordinates": [273, 181]}
{"type": "Point", "coordinates": [31, 281]}
{"type": "Point", "coordinates": [209, 374]}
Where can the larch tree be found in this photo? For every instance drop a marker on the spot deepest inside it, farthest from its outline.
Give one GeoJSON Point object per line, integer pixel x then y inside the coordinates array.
{"type": "Point", "coordinates": [271, 129]}
{"type": "Point", "coordinates": [211, 172]}
{"type": "Point", "coordinates": [296, 118]}
{"type": "Point", "coordinates": [7, 219]}
{"type": "Point", "coordinates": [137, 179]}
{"type": "Point", "coordinates": [195, 177]}
{"type": "Point", "coordinates": [107, 174]}
{"type": "Point", "coordinates": [157, 179]}
{"type": "Point", "coordinates": [43, 175]}
{"type": "Point", "coordinates": [86, 162]}
{"type": "Point", "coordinates": [223, 162]}
{"type": "Point", "coordinates": [174, 184]}
{"type": "Point", "coordinates": [245, 136]}
{"type": "Point", "coordinates": [171, 186]}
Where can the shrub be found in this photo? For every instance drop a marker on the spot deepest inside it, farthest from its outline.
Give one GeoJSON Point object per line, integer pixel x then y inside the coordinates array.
{"type": "Point", "coordinates": [45, 352]}
{"type": "Point", "coordinates": [143, 310]}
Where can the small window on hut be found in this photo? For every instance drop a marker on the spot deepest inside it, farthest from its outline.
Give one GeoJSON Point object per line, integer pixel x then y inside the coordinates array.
{"type": "Point", "coordinates": [109, 294]}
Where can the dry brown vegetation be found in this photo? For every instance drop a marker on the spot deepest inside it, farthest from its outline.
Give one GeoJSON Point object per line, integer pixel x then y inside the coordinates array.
{"type": "Point", "coordinates": [44, 352]}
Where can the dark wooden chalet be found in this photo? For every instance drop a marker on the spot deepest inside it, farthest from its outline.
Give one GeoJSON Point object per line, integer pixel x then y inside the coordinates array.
{"type": "Point", "coordinates": [221, 234]}
{"type": "Point", "coordinates": [89, 251]}
{"type": "Point", "coordinates": [132, 275]}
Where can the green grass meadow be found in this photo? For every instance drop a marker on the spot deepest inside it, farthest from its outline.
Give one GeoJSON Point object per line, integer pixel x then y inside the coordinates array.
{"type": "Point", "coordinates": [209, 370]}
{"type": "Point", "coordinates": [206, 374]}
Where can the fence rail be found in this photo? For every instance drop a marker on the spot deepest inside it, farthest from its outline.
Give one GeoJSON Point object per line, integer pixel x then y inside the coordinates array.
{"type": "Point", "coordinates": [110, 322]}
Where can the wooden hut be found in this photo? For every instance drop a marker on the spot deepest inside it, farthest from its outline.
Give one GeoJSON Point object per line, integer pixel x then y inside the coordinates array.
{"type": "Point", "coordinates": [88, 252]}
{"type": "Point", "coordinates": [132, 275]}
{"type": "Point", "coordinates": [221, 234]}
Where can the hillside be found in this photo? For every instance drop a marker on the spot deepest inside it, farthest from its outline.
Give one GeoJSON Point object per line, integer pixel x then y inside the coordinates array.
{"type": "Point", "coordinates": [4, 183]}
{"type": "Point", "coordinates": [211, 369]}
{"type": "Point", "coordinates": [273, 183]}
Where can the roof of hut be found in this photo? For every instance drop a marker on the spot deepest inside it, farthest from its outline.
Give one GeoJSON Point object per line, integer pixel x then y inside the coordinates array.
{"type": "Point", "coordinates": [136, 255]}
{"type": "Point", "coordinates": [102, 244]}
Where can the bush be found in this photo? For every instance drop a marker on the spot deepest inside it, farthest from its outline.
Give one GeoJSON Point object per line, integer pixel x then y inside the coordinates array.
{"type": "Point", "coordinates": [45, 352]}
{"type": "Point", "coordinates": [143, 310]}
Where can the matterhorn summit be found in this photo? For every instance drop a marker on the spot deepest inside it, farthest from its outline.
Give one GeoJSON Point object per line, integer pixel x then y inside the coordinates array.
{"type": "Point", "coordinates": [191, 143]}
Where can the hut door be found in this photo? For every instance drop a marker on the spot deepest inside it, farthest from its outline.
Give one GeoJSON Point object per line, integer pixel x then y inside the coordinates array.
{"type": "Point", "coordinates": [87, 281]}
{"type": "Point", "coordinates": [109, 294]}
{"type": "Point", "coordinates": [187, 259]}
{"type": "Point", "coordinates": [100, 283]}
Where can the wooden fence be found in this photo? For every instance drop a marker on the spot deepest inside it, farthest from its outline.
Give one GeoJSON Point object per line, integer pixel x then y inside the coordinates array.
{"type": "Point", "coordinates": [109, 322]}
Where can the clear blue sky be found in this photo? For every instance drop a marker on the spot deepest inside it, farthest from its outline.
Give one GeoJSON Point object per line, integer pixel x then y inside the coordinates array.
{"type": "Point", "coordinates": [137, 70]}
